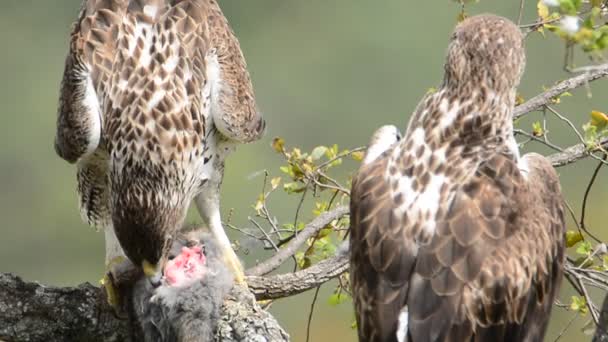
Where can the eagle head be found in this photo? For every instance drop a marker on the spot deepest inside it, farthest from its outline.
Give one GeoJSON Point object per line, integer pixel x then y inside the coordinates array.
{"type": "Point", "coordinates": [486, 49]}
{"type": "Point", "coordinates": [149, 205]}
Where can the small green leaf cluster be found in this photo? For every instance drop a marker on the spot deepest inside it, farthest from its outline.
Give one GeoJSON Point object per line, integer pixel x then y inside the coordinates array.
{"type": "Point", "coordinates": [596, 130]}
{"type": "Point", "coordinates": [308, 175]}
{"type": "Point", "coordinates": [578, 22]}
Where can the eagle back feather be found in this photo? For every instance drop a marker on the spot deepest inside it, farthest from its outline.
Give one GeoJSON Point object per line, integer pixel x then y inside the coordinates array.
{"type": "Point", "coordinates": [451, 224]}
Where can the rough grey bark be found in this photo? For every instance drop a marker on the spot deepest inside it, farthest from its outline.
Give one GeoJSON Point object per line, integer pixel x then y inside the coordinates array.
{"type": "Point", "coordinates": [244, 320]}
{"type": "Point", "coordinates": [285, 285]}
{"type": "Point", "coordinates": [34, 312]}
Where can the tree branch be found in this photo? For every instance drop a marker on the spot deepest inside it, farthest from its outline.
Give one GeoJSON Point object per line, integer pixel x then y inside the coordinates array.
{"type": "Point", "coordinates": [34, 312]}
{"type": "Point", "coordinates": [288, 251]}
{"type": "Point", "coordinates": [574, 153]}
{"type": "Point", "coordinates": [572, 83]}
{"type": "Point", "coordinates": [285, 285]}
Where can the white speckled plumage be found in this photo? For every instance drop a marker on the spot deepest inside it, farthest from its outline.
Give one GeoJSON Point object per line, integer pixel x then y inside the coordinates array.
{"type": "Point", "coordinates": [451, 223]}
{"type": "Point", "coordinates": [155, 95]}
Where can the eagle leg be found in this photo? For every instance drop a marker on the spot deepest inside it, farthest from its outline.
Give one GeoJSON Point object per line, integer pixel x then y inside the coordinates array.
{"type": "Point", "coordinates": [118, 269]}
{"type": "Point", "coordinates": [209, 208]}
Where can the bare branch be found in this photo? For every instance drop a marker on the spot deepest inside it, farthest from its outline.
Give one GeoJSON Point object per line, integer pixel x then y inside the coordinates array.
{"type": "Point", "coordinates": [312, 310]}
{"type": "Point", "coordinates": [285, 285]}
{"type": "Point", "coordinates": [572, 83]}
{"type": "Point", "coordinates": [588, 190]}
{"type": "Point", "coordinates": [291, 248]}
{"type": "Point", "coordinates": [574, 153]}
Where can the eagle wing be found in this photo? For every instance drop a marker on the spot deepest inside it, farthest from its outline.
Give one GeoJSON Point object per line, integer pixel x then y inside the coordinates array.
{"type": "Point", "coordinates": [494, 266]}
{"type": "Point", "coordinates": [145, 80]}
{"type": "Point", "coordinates": [382, 258]}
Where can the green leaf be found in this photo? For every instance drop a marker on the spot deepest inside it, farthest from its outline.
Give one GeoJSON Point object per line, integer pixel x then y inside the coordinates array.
{"type": "Point", "coordinates": [278, 144]}
{"type": "Point", "coordinates": [293, 188]}
{"type": "Point", "coordinates": [337, 298]}
{"type": "Point", "coordinates": [302, 260]}
{"type": "Point", "coordinates": [358, 155]}
{"type": "Point", "coordinates": [599, 119]}
{"type": "Point", "coordinates": [584, 248]}
{"type": "Point", "coordinates": [579, 304]}
{"type": "Point", "coordinates": [259, 204]}
{"type": "Point", "coordinates": [537, 129]}
{"type": "Point", "coordinates": [543, 10]}
{"type": "Point", "coordinates": [318, 152]}
{"type": "Point", "coordinates": [274, 183]}
{"type": "Point", "coordinates": [573, 237]}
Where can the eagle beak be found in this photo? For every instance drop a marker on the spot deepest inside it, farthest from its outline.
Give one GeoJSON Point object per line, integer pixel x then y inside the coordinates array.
{"type": "Point", "coordinates": [152, 273]}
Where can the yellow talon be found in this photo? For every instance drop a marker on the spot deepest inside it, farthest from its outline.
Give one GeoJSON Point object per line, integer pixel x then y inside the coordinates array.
{"type": "Point", "coordinates": [149, 269]}
{"type": "Point", "coordinates": [112, 295]}
{"type": "Point", "coordinates": [234, 265]}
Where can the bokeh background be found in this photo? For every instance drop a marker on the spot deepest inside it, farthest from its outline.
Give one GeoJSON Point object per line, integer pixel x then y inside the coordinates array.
{"type": "Point", "coordinates": [324, 72]}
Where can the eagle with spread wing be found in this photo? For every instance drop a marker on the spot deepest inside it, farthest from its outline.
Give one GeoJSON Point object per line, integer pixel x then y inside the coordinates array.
{"type": "Point", "coordinates": [454, 235]}
{"type": "Point", "coordinates": [154, 96]}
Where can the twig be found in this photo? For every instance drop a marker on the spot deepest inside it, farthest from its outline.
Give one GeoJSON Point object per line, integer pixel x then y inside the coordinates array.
{"type": "Point", "coordinates": [522, 3]}
{"type": "Point", "coordinates": [340, 156]}
{"type": "Point", "coordinates": [265, 234]}
{"type": "Point", "coordinates": [588, 190]}
{"type": "Point", "coordinates": [561, 333]}
{"type": "Point", "coordinates": [312, 309]}
{"type": "Point", "coordinates": [547, 97]}
{"type": "Point", "coordinates": [534, 138]}
{"type": "Point", "coordinates": [290, 249]}
{"type": "Point", "coordinates": [567, 121]}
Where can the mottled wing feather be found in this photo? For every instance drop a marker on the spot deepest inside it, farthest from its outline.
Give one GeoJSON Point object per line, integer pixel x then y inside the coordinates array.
{"type": "Point", "coordinates": [493, 267]}
{"type": "Point", "coordinates": [381, 257]}
{"type": "Point", "coordinates": [93, 190]}
{"type": "Point", "coordinates": [235, 121]}
{"type": "Point", "coordinates": [79, 113]}
{"type": "Point", "coordinates": [80, 116]}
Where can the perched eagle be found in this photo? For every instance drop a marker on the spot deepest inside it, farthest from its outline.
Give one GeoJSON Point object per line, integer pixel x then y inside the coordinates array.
{"type": "Point", "coordinates": [454, 236]}
{"type": "Point", "coordinates": [155, 94]}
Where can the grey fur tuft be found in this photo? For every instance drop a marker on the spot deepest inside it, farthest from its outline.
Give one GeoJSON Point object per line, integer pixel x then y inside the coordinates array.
{"type": "Point", "coordinates": [184, 314]}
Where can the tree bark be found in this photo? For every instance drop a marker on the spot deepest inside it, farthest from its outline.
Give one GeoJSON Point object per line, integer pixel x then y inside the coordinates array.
{"type": "Point", "coordinates": [34, 312]}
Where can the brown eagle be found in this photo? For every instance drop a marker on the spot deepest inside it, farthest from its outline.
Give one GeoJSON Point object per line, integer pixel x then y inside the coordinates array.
{"type": "Point", "coordinates": [454, 236]}
{"type": "Point", "coordinates": [155, 95]}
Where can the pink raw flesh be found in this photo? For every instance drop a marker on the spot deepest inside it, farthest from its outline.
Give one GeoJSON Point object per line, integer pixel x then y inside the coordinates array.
{"type": "Point", "coordinates": [186, 267]}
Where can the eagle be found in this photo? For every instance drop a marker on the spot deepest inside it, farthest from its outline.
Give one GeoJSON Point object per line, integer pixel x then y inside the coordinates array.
{"type": "Point", "coordinates": [455, 236]}
{"type": "Point", "coordinates": [155, 94]}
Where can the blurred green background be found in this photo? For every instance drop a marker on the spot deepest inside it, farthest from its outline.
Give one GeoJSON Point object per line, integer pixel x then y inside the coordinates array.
{"type": "Point", "coordinates": [324, 72]}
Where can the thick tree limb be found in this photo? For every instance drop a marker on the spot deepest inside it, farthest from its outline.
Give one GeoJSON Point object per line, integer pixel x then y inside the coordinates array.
{"type": "Point", "coordinates": [572, 83]}
{"type": "Point", "coordinates": [285, 285]}
{"type": "Point", "coordinates": [34, 312]}
{"type": "Point", "coordinates": [288, 251]}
